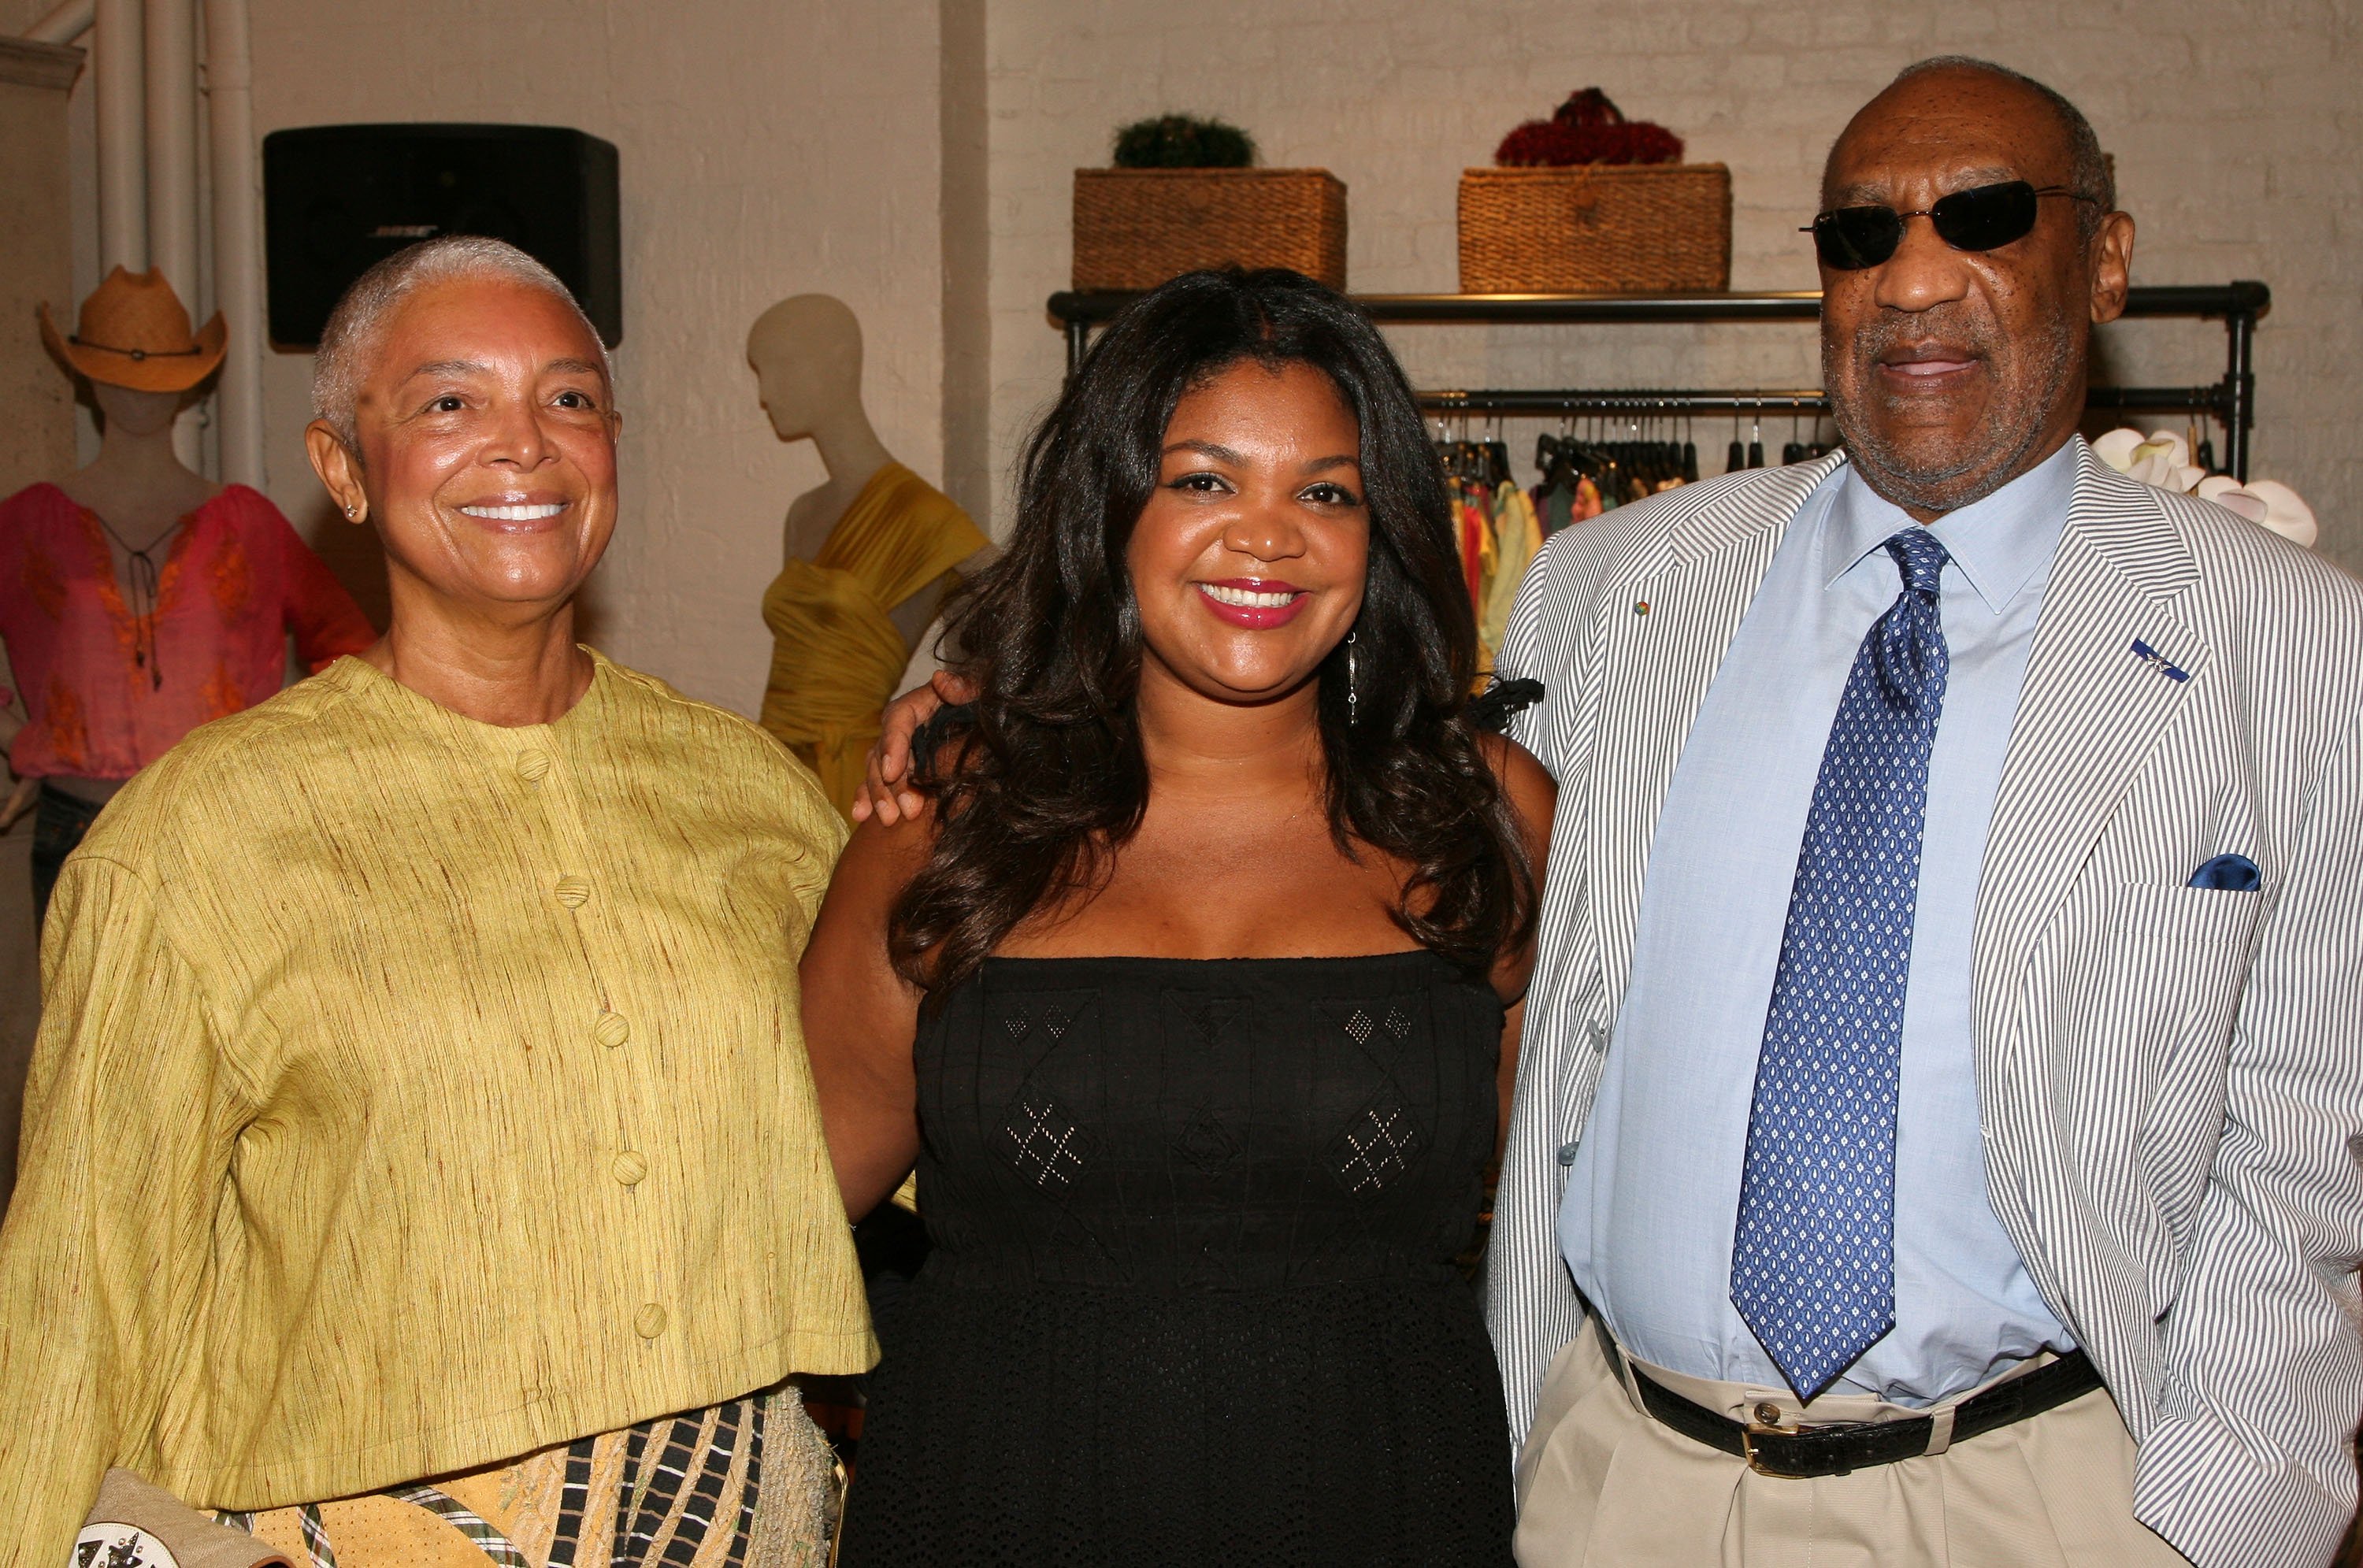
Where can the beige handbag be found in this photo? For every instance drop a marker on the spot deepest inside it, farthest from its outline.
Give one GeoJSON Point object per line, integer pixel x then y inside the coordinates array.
{"type": "Point", "coordinates": [135, 1525]}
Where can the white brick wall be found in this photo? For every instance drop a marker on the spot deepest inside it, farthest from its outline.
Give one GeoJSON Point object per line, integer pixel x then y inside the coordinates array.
{"type": "Point", "coordinates": [2237, 130]}
{"type": "Point", "coordinates": [770, 146]}
{"type": "Point", "coordinates": [766, 150]}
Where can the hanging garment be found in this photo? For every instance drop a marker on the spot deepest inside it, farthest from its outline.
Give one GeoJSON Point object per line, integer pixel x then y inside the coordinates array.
{"type": "Point", "coordinates": [1588, 504]}
{"type": "Point", "coordinates": [836, 657]}
{"type": "Point", "coordinates": [1556, 508]}
{"type": "Point", "coordinates": [1521, 538]}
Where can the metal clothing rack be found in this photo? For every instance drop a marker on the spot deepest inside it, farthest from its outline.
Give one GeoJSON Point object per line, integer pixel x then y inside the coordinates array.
{"type": "Point", "coordinates": [2231, 402]}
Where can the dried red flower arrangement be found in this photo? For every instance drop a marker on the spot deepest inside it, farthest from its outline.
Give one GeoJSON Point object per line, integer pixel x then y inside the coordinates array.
{"type": "Point", "coordinates": [1587, 129]}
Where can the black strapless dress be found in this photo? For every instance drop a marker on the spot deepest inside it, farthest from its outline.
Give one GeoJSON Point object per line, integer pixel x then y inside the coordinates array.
{"type": "Point", "coordinates": [1192, 1298]}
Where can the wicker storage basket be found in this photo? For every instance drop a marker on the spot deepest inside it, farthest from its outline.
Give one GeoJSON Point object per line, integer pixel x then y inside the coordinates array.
{"type": "Point", "coordinates": [1137, 228]}
{"type": "Point", "coordinates": [1596, 228]}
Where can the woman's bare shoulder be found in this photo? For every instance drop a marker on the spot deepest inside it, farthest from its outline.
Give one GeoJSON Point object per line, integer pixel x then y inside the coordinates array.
{"type": "Point", "coordinates": [1533, 792]}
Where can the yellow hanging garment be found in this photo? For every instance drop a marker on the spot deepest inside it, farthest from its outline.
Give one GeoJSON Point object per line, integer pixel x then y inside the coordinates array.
{"type": "Point", "coordinates": [836, 657]}
{"type": "Point", "coordinates": [1520, 534]}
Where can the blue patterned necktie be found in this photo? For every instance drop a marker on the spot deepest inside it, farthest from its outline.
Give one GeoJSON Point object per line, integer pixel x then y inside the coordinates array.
{"type": "Point", "coordinates": [1813, 1264]}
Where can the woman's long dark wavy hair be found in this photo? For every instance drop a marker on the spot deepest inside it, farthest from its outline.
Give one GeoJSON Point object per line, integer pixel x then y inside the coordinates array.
{"type": "Point", "coordinates": [1044, 778]}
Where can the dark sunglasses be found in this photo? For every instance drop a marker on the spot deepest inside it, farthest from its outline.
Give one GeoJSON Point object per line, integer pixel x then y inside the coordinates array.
{"type": "Point", "coordinates": [1985, 217]}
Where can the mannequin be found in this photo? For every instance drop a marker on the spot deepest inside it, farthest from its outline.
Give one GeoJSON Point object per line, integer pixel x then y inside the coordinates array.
{"type": "Point", "coordinates": [868, 555]}
{"type": "Point", "coordinates": [137, 598]}
{"type": "Point", "coordinates": [138, 485]}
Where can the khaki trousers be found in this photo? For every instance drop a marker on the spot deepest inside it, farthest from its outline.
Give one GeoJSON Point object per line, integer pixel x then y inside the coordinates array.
{"type": "Point", "coordinates": [1603, 1483]}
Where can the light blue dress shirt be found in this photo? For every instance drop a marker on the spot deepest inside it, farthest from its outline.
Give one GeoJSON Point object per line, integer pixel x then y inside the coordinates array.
{"type": "Point", "coordinates": [1652, 1200]}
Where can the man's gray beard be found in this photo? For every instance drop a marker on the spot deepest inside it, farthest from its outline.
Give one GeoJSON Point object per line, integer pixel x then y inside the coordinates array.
{"type": "Point", "coordinates": [1995, 456]}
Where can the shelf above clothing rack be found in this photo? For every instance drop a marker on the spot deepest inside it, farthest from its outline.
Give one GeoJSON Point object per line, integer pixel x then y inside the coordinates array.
{"type": "Point", "coordinates": [2231, 400]}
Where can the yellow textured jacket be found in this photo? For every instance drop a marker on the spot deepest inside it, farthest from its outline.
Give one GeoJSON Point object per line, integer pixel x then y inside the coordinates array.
{"type": "Point", "coordinates": [413, 1093]}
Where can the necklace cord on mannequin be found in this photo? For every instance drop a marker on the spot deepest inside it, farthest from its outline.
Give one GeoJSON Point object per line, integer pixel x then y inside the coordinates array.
{"type": "Point", "coordinates": [145, 584]}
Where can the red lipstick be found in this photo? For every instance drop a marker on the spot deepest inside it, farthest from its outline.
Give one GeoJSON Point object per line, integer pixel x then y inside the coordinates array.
{"type": "Point", "coordinates": [1259, 604]}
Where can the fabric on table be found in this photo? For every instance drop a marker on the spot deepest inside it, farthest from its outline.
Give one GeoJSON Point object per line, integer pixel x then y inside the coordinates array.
{"type": "Point", "coordinates": [413, 1093]}
{"type": "Point", "coordinates": [1192, 1298]}
{"type": "Point", "coordinates": [235, 583]}
{"type": "Point", "coordinates": [836, 657]}
{"type": "Point", "coordinates": [1601, 1484]}
{"type": "Point", "coordinates": [746, 1484]}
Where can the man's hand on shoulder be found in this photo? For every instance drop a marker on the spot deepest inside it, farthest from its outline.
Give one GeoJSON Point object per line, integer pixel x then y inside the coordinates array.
{"type": "Point", "coordinates": [890, 760]}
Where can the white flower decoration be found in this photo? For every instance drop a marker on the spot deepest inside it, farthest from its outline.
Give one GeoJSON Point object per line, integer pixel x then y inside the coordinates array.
{"type": "Point", "coordinates": [2162, 457]}
{"type": "Point", "coordinates": [2268, 504]}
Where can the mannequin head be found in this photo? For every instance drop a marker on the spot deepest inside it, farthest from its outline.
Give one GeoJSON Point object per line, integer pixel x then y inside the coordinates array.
{"type": "Point", "coordinates": [807, 355]}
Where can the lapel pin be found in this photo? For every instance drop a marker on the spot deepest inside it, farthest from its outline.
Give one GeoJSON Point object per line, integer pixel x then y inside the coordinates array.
{"type": "Point", "coordinates": [1640, 607]}
{"type": "Point", "coordinates": [2151, 656]}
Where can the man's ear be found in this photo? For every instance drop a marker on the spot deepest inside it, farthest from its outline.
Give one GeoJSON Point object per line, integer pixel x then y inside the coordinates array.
{"type": "Point", "coordinates": [2113, 266]}
{"type": "Point", "coordinates": [338, 468]}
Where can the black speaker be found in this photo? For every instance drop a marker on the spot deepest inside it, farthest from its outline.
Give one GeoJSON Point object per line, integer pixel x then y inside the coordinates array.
{"type": "Point", "coordinates": [337, 199]}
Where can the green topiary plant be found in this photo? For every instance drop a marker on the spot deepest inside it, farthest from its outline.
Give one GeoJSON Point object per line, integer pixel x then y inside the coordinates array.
{"type": "Point", "coordinates": [1181, 141]}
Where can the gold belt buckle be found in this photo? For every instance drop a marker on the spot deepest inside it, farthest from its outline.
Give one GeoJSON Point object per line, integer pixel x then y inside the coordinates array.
{"type": "Point", "coordinates": [1759, 1428]}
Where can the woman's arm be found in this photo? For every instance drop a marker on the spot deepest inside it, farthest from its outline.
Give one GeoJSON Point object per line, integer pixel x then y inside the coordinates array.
{"type": "Point", "coordinates": [860, 1016]}
{"type": "Point", "coordinates": [1533, 799]}
{"type": "Point", "coordinates": [130, 1125]}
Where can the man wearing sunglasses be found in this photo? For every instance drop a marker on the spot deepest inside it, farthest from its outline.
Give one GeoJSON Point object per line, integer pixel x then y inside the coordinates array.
{"type": "Point", "coordinates": [1937, 1122]}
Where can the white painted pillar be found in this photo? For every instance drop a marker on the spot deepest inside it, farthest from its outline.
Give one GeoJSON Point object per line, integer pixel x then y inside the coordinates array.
{"type": "Point", "coordinates": [172, 28]}
{"type": "Point", "coordinates": [117, 78]}
{"type": "Point", "coordinates": [65, 23]}
{"type": "Point", "coordinates": [172, 41]}
{"type": "Point", "coordinates": [237, 246]}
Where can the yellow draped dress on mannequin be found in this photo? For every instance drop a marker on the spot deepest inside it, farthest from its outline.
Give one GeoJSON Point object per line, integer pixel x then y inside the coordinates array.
{"type": "Point", "coordinates": [836, 657]}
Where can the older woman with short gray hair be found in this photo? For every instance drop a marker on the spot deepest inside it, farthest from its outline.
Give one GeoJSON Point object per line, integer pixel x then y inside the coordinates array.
{"type": "Point", "coordinates": [422, 1163]}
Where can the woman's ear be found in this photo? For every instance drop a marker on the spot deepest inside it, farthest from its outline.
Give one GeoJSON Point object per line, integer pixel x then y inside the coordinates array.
{"type": "Point", "coordinates": [339, 470]}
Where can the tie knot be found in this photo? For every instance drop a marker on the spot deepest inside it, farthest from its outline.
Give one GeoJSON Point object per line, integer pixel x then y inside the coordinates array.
{"type": "Point", "coordinates": [1919, 557]}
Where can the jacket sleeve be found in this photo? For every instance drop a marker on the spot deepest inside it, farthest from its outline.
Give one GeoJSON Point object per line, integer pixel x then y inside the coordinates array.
{"type": "Point", "coordinates": [1531, 1305]}
{"type": "Point", "coordinates": [324, 620]}
{"type": "Point", "coordinates": [2250, 1460]}
{"type": "Point", "coordinates": [127, 1136]}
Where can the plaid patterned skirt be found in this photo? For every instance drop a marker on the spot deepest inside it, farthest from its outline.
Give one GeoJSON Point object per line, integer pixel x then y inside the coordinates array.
{"type": "Point", "coordinates": [748, 1483]}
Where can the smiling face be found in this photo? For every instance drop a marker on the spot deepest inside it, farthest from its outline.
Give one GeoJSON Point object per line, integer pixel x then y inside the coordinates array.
{"type": "Point", "coordinates": [1952, 372]}
{"type": "Point", "coordinates": [487, 456]}
{"type": "Point", "coordinates": [1249, 560]}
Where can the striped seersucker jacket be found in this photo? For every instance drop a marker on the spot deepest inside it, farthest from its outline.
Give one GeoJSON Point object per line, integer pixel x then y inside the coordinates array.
{"type": "Point", "coordinates": [2170, 1078]}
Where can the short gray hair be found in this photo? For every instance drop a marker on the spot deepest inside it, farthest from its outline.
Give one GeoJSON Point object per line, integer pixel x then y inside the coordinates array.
{"type": "Point", "coordinates": [2089, 171]}
{"type": "Point", "coordinates": [339, 366]}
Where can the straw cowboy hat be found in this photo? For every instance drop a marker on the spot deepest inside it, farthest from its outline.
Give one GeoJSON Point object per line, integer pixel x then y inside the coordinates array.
{"type": "Point", "coordinates": [134, 332]}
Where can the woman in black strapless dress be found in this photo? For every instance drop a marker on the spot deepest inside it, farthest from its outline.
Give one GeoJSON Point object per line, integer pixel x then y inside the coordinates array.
{"type": "Point", "coordinates": [1213, 986]}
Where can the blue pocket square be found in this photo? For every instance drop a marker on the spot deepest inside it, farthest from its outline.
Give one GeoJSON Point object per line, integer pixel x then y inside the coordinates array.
{"type": "Point", "coordinates": [2228, 873]}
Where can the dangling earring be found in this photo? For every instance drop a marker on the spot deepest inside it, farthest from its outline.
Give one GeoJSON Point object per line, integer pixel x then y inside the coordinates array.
{"type": "Point", "coordinates": [1353, 685]}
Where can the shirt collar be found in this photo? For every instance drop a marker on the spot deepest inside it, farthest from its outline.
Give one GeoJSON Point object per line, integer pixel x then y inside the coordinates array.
{"type": "Point", "coordinates": [2000, 543]}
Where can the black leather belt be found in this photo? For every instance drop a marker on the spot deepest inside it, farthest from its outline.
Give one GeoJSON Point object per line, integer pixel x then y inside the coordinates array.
{"type": "Point", "coordinates": [1798, 1454]}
